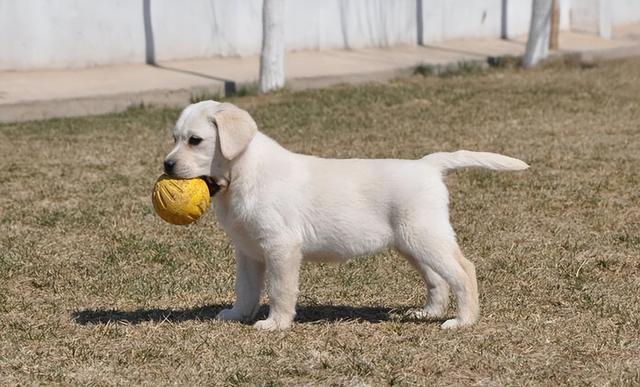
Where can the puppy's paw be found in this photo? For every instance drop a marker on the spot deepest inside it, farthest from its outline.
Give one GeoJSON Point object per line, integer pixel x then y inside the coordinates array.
{"type": "Point", "coordinates": [230, 315]}
{"type": "Point", "coordinates": [271, 324]}
{"type": "Point", "coordinates": [426, 313]}
{"type": "Point", "coordinates": [455, 323]}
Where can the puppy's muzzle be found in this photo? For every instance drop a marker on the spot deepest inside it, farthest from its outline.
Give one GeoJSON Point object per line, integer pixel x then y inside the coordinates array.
{"type": "Point", "coordinates": [169, 166]}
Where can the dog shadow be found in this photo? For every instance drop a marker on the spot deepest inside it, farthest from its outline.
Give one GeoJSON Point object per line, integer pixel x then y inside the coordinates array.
{"type": "Point", "coordinates": [304, 314]}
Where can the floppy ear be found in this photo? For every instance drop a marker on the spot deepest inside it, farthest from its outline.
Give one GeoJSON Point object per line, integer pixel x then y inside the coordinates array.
{"type": "Point", "coordinates": [236, 129]}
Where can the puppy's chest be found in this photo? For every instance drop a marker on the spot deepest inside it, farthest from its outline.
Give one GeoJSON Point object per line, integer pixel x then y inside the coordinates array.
{"type": "Point", "coordinates": [248, 221]}
{"type": "Point", "coordinates": [234, 209]}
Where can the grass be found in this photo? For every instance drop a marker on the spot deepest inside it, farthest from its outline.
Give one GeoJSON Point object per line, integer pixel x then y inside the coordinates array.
{"type": "Point", "coordinates": [457, 69]}
{"type": "Point", "coordinates": [96, 289]}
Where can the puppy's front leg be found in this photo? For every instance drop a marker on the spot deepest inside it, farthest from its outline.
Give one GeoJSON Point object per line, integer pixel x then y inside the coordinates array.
{"type": "Point", "coordinates": [283, 272]}
{"type": "Point", "coordinates": [249, 285]}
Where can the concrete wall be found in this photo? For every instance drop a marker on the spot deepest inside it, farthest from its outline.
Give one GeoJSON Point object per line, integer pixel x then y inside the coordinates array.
{"type": "Point", "coordinates": [82, 33]}
{"type": "Point", "coordinates": [313, 24]}
{"type": "Point", "coordinates": [624, 11]}
{"type": "Point", "coordinates": [592, 16]}
{"type": "Point", "coordinates": [69, 33]}
{"type": "Point", "coordinates": [600, 16]}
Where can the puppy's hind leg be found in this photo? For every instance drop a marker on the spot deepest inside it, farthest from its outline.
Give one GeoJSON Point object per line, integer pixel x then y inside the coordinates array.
{"type": "Point", "coordinates": [466, 295]}
{"type": "Point", "coordinates": [437, 292]}
{"type": "Point", "coordinates": [469, 267]}
{"type": "Point", "coordinates": [439, 252]}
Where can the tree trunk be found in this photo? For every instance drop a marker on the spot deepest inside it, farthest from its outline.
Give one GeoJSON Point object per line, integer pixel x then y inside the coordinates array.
{"type": "Point", "coordinates": [272, 56]}
{"type": "Point", "coordinates": [538, 41]}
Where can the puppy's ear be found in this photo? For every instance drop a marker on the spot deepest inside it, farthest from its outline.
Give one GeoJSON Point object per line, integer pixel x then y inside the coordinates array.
{"type": "Point", "coordinates": [236, 129]}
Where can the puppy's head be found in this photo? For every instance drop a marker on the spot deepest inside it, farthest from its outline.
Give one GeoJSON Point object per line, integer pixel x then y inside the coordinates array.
{"type": "Point", "coordinates": [207, 136]}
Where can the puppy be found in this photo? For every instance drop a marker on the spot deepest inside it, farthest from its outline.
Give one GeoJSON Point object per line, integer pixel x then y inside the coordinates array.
{"type": "Point", "coordinates": [282, 208]}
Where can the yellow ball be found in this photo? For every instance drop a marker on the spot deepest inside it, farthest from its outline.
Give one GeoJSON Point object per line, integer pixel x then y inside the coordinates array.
{"type": "Point", "coordinates": [180, 201]}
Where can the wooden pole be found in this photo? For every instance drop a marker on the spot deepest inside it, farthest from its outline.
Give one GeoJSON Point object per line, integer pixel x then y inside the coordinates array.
{"type": "Point", "coordinates": [555, 25]}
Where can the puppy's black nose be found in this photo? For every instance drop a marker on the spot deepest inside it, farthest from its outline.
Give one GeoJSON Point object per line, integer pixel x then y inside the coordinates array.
{"type": "Point", "coordinates": [168, 166]}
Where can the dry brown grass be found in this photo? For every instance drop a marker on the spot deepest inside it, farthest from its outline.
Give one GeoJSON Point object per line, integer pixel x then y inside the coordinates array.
{"type": "Point", "coordinates": [95, 289]}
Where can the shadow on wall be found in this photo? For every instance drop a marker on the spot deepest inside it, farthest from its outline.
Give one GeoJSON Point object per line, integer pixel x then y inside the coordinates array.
{"type": "Point", "coordinates": [504, 34]}
{"type": "Point", "coordinates": [420, 23]}
{"type": "Point", "coordinates": [420, 14]}
{"type": "Point", "coordinates": [150, 53]}
{"type": "Point", "coordinates": [230, 86]}
{"type": "Point", "coordinates": [149, 46]}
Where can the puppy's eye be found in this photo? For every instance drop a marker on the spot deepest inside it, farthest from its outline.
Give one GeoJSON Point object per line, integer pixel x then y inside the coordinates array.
{"type": "Point", "coordinates": [194, 140]}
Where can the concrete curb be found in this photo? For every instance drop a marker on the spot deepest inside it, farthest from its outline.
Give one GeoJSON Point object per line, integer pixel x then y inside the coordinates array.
{"type": "Point", "coordinates": [102, 104]}
{"type": "Point", "coordinates": [179, 97]}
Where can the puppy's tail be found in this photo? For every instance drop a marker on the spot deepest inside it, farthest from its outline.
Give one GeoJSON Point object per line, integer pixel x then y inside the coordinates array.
{"type": "Point", "coordinates": [445, 161]}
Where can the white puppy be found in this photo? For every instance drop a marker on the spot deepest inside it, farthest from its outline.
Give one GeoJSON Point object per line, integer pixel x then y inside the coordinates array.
{"type": "Point", "coordinates": [282, 208]}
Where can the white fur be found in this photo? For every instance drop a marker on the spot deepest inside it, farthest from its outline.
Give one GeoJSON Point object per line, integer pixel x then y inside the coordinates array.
{"type": "Point", "coordinates": [282, 208]}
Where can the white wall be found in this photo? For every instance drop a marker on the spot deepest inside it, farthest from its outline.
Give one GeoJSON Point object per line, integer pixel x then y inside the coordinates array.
{"type": "Point", "coordinates": [81, 33]}
{"type": "Point", "coordinates": [203, 28]}
{"type": "Point", "coordinates": [592, 16]}
{"type": "Point", "coordinates": [313, 24]}
{"type": "Point", "coordinates": [69, 33]}
{"type": "Point", "coordinates": [600, 16]}
{"type": "Point", "coordinates": [466, 18]}
{"type": "Point", "coordinates": [624, 11]}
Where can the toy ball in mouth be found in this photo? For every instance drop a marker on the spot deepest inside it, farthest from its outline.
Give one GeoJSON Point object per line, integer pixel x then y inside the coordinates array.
{"type": "Point", "coordinates": [180, 201]}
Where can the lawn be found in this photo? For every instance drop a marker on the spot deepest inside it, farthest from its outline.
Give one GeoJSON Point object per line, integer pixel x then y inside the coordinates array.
{"type": "Point", "coordinates": [96, 289]}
